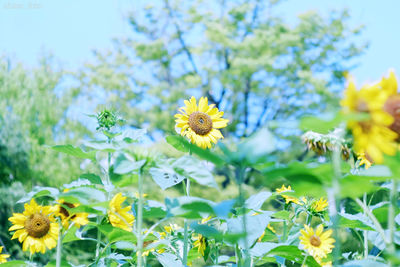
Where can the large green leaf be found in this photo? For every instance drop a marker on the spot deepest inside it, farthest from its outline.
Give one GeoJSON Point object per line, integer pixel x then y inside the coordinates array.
{"type": "Point", "coordinates": [191, 167]}
{"type": "Point", "coordinates": [15, 264]}
{"type": "Point", "coordinates": [164, 174]}
{"type": "Point", "coordinates": [39, 191]}
{"type": "Point", "coordinates": [84, 195]}
{"type": "Point", "coordinates": [169, 260]}
{"type": "Point", "coordinates": [256, 201]}
{"type": "Point", "coordinates": [115, 234]}
{"type": "Point", "coordinates": [75, 151]}
{"type": "Point", "coordinates": [292, 253]}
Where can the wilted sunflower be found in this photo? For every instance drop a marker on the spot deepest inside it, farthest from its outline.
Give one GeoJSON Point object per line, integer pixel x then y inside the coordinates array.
{"type": "Point", "coordinates": [36, 227]}
{"type": "Point", "coordinates": [287, 198]}
{"type": "Point", "coordinates": [319, 243]}
{"type": "Point", "coordinates": [319, 205]}
{"type": "Point", "coordinates": [200, 123]}
{"type": "Point", "coordinates": [79, 219]}
{"type": "Point", "coordinates": [3, 257]}
{"type": "Point", "coordinates": [373, 135]}
{"type": "Point", "coordinates": [200, 243]}
{"type": "Point", "coordinates": [118, 216]}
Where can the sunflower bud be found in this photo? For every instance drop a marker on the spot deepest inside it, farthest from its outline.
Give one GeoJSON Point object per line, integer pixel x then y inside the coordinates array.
{"type": "Point", "coordinates": [106, 119]}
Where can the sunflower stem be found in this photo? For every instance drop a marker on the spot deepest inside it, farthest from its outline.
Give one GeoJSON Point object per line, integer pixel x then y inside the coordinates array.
{"type": "Point", "coordinates": [59, 247]}
{"type": "Point", "coordinates": [334, 201]}
{"type": "Point", "coordinates": [98, 241]}
{"type": "Point", "coordinates": [186, 227]}
{"type": "Point", "coordinates": [240, 180]}
{"type": "Point", "coordinates": [365, 232]}
{"type": "Point", "coordinates": [140, 219]}
{"type": "Point", "coordinates": [304, 261]}
{"type": "Point", "coordinates": [391, 220]}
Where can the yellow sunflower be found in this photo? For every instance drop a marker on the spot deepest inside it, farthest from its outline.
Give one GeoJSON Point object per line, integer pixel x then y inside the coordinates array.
{"type": "Point", "coordinates": [36, 227]}
{"type": "Point", "coordinates": [319, 243]}
{"type": "Point", "coordinates": [118, 216]}
{"type": "Point", "coordinates": [200, 243]}
{"type": "Point", "coordinates": [200, 123]}
{"type": "Point", "coordinates": [372, 136]}
{"type": "Point", "coordinates": [79, 219]}
{"type": "Point", "coordinates": [287, 198]}
{"type": "Point", "coordinates": [319, 205]}
{"type": "Point", "coordinates": [363, 160]}
{"type": "Point", "coordinates": [3, 257]}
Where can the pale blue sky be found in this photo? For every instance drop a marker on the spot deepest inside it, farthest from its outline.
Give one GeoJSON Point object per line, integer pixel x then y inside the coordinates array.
{"type": "Point", "coordinates": [71, 29]}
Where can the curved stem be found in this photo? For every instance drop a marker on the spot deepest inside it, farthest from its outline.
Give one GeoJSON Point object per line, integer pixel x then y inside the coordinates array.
{"type": "Point", "coordinates": [391, 222]}
{"type": "Point", "coordinates": [365, 232]}
{"type": "Point", "coordinates": [378, 226]}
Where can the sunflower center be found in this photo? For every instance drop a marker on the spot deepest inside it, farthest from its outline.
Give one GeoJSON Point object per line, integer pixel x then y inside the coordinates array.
{"type": "Point", "coordinates": [37, 225]}
{"type": "Point", "coordinates": [200, 123]}
{"type": "Point", "coordinates": [315, 241]}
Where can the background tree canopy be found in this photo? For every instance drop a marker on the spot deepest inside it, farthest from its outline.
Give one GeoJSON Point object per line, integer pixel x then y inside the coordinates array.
{"type": "Point", "coordinates": [248, 61]}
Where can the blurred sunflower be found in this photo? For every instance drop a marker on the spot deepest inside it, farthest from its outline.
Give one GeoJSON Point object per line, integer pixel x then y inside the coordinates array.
{"type": "Point", "coordinates": [319, 205]}
{"type": "Point", "coordinates": [79, 219]}
{"type": "Point", "coordinates": [319, 243]}
{"type": "Point", "coordinates": [118, 216]}
{"type": "Point", "coordinates": [287, 198]}
{"type": "Point", "coordinates": [200, 123]}
{"type": "Point", "coordinates": [36, 227]}
{"type": "Point", "coordinates": [3, 257]}
{"type": "Point", "coordinates": [200, 243]}
{"type": "Point", "coordinates": [372, 136]}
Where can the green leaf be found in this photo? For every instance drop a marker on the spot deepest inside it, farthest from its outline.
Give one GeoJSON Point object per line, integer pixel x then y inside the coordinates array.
{"type": "Point", "coordinates": [168, 260]}
{"type": "Point", "coordinates": [115, 234]}
{"type": "Point", "coordinates": [126, 166]}
{"type": "Point", "coordinates": [256, 201]}
{"type": "Point", "coordinates": [262, 248]}
{"type": "Point", "coordinates": [93, 178]}
{"type": "Point", "coordinates": [164, 174]}
{"type": "Point", "coordinates": [292, 253]}
{"type": "Point", "coordinates": [39, 191]}
{"type": "Point", "coordinates": [355, 186]}
{"type": "Point", "coordinates": [256, 147]}
{"type": "Point", "coordinates": [191, 167]}
{"type": "Point", "coordinates": [76, 152]}
{"type": "Point", "coordinates": [14, 264]}
{"type": "Point", "coordinates": [255, 226]}
{"type": "Point", "coordinates": [283, 214]}
{"type": "Point", "coordinates": [178, 142]}
{"type": "Point", "coordinates": [189, 207]}
{"type": "Point", "coordinates": [354, 221]}
{"type": "Point", "coordinates": [85, 195]}
{"type": "Point", "coordinates": [364, 263]}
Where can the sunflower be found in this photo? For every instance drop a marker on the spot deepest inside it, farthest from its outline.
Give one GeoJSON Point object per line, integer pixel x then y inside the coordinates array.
{"type": "Point", "coordinates": [200, 123]}
{"type": "Point", "coordinates": [79, 219]}
{"type": "Point", "coordinates": [319, 205]}
{"type": "Point", "coordinates": [36, 227]}
{"type": "Point", "coordinates": [287, 198]}
{"type": "Point", "coordinates": [319, 243]}
{"type": "Point", "coordinates": [200, 243]}
{"type": "Point", "coordinates": [363, 160]}
{"type": "Point", "coordinates": [118, 216]}
{"type": "Point", "coordinates": [373, 135]}
{"type": "Point", "coordinates": [3, 257]}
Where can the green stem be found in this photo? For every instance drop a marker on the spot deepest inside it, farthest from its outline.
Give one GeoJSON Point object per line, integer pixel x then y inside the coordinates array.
{"type": "Point", "coordinates": [309, 218]}
{"type": "Point", "coordinates": [391, 222]}
{"type": "Point", "coordinates": [304, 261]}
{"type": "Point", "coordinates": [238, 256]}
{"type": "Point", "coordinates": [140, 220]}
{"type": "Point", "coordinates": [334, 201]}
{"type": "Point", "coordinates": [365, 232]}
{"type": "Point", "coordinates": [98, 241]}
{"type": "Point", "coordinates": [59, 248]}
{"type": "Point", "coordinates": [186, 228]}
{"type": "Point", "coordinates": [240, 180]}
{"type": "Point", "coordinates": [378, 226]}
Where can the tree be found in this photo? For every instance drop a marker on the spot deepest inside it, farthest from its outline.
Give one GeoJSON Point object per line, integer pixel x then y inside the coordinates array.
{"type": "Point", "coordinates": [247, 60]}
{"type": "Point", "coordinates": [34, 105]}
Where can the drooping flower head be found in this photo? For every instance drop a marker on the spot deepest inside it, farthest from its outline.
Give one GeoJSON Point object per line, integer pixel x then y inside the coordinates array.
{"type": "Point", "coordinates": [372, 136]}
{"type": "Point", "coordinates": [318, 243]}
{"type": "Point", "coordinates": [119, 216]}
{"type": "Point", "coordinates": [3, 257]}
{"type": "Point", "coordinates": [200, 123]}
{"type": "Point", "coordinates": [36, 227]}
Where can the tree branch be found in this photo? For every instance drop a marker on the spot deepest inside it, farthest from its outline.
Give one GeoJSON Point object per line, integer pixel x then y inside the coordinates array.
{"type": "Point", "coordinates": [246, 105]}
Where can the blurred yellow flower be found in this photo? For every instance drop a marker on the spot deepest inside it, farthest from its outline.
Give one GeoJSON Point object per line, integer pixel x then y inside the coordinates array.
{"type": "Point", "coordinates": [3, 257]}
{"type": "Point", "coordinates": [200, 243]}
{"type": "Point", "coordinates": [319, 243]}
{"type": "Point", "coordinates": [363, 160]}
{"type": "Point", "coordinates": [36, 227]}
{"type": "Point", "coordinates": [319, 205]}
{"type": "Point", "coordinates": [287, 198]}
{"type": "Point", "coordinates": [79, 219]}
{"type": "Point", "coordinates": [200, 123]}
{"type": "Point", "coordinates": [373, 135]}
{"type": "Point", "coordinates": [118, 216]}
